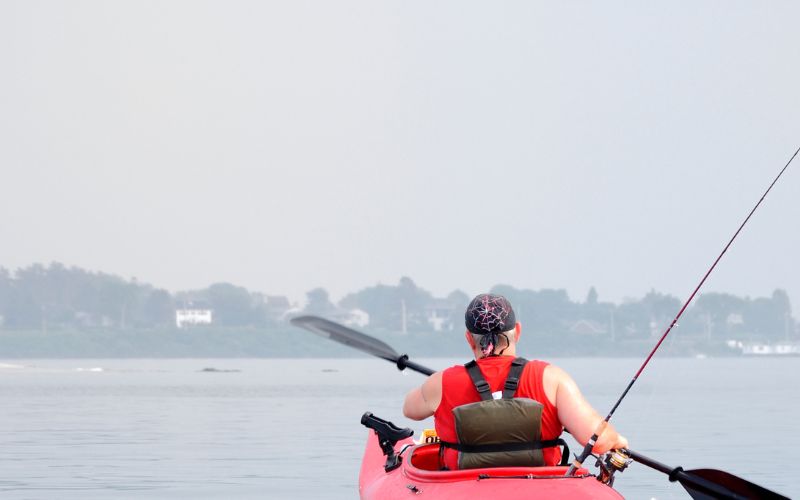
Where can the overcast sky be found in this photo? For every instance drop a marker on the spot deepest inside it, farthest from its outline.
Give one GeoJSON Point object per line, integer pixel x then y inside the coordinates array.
{"type": "Point", "coordinates": [287, 145]}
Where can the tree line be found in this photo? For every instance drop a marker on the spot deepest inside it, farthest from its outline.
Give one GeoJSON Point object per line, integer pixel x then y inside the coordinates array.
{"type": "Point", "coordinates": [42, 297]}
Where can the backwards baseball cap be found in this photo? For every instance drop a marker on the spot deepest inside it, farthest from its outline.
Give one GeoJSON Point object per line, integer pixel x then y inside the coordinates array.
{"type": "Point", "coordinates": [489, 314]}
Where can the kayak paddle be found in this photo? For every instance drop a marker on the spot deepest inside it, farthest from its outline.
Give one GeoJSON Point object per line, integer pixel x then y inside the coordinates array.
{"type": "Point", "coordinates": [365, 343]}
{"type": "Point", "coordinates": [705, 484]}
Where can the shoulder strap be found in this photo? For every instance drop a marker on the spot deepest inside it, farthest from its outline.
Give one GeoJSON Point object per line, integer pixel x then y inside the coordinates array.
{"type": "Point", "coordinates": [512, 381]}
{"type": "Point", "coordinates": [484, 391]}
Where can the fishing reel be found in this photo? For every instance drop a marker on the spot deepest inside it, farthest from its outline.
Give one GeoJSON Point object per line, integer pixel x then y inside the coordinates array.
{"type": "Point", "coordinates": [611, 463]}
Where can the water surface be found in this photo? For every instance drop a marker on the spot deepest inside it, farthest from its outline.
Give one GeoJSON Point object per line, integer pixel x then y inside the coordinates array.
{"type": "Point", "coordinates": [290, 428]}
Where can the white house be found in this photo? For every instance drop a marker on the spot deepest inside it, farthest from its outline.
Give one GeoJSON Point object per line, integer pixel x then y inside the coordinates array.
{"type": "Point", "coordinates": [355, 317]}
{"type": "Point", "coordinates": [781, 349]}
{"type": "Point", "coordinates": [588, 327]}
{"type": "Point", "coordinates": [439, 315]}
{"type": "Point", "coordinates": [192, 314]}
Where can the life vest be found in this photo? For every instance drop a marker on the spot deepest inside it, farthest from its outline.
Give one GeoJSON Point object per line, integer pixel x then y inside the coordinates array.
{"type": "Point", "coordinates": [499, 432]}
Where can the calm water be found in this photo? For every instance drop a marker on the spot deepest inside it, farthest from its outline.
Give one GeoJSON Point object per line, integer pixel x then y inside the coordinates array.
{"type": "Point", "coordinates": [289, 428]}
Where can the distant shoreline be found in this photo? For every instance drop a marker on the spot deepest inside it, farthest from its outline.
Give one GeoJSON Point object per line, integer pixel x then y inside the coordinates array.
{"type": "Point", "coordinates": [286, 341]}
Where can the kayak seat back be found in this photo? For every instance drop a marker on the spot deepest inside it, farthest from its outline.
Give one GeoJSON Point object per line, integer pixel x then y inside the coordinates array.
{"type": "Point", "coordinates": [423, 464]}
{"type": "Point", "coordinates": [476, 427]}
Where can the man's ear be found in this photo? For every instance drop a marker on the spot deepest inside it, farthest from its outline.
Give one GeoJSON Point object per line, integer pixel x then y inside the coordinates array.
{"type": "Point", "coordinates": [517, 332]}
{"type": "Point", "coordinates": [470, 340]}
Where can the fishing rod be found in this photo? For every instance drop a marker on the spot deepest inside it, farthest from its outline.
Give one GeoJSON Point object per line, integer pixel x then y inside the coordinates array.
{"type": "Point", "coordinates": [587, 450]}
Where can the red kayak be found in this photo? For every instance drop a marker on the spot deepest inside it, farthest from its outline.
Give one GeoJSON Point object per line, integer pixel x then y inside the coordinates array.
{"type": "Point", "coordinates": [394, 466]}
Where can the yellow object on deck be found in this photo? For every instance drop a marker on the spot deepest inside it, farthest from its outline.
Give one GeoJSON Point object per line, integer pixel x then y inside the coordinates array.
{"type": "Point", "coordinates": [429, 436]}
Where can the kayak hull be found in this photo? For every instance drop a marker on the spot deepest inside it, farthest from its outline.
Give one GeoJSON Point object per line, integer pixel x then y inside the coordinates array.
{"type": "Point", "coordinates": [418, 475]}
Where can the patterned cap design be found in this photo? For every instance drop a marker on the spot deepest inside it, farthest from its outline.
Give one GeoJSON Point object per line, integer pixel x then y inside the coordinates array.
{"type": "Point", "coordinates": [488, 314]}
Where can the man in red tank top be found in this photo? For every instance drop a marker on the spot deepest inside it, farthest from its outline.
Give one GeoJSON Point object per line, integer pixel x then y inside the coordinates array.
{"type": "Point", "coordinates": [492, 334]}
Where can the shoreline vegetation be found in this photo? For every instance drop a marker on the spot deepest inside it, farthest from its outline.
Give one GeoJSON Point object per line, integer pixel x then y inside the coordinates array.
{"type": "Point", "coordinates": [67, 312]}
{"type": "Point", "coordinates": [209, 342]}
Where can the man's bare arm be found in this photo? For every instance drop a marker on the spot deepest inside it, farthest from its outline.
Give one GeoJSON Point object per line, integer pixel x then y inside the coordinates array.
{"type": "Point", "coordinates": [577, 415]}
{"type": "Point", "coordinates": [421, 403]}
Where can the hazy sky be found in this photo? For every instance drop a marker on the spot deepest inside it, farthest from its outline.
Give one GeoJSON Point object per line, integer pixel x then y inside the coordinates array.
{"type": "Point", "coordinates": [287, 145]}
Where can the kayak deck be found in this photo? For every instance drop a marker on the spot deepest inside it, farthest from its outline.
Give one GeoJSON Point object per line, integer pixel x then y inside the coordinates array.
{"type": "Point", "coordinates": [419, 474]}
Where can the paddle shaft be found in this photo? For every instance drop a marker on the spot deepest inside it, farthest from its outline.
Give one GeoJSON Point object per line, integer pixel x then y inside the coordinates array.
{"type": "Point", "coordinates": [678, 474]}
{"type": "Point", "coordinates": [403, 363]}
{"type": "Point", "coordinates": [587, 450]}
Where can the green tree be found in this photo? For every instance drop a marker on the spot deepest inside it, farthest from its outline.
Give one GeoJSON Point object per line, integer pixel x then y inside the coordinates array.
{"type": "Point", "coordinates": [319, 303]}
{"type": "Point", "coordinates": [769, 318]}
{"type": "Point", "coordinates": [232, 305]}
{"type": "Point", "coordinates": [158, 309]}
{"type": "Point", "coordinates": [591, 297]}
{"type": "Point", "coordinates": [391, 307]}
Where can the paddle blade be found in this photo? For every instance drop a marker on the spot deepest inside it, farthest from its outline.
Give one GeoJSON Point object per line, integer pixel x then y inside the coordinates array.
{"type": "Point", "coordinates": [708, 484]}
{"type": "Point", "coordinates": [723, 485]}
{"type": "Point", "coordinates": [347, 336]}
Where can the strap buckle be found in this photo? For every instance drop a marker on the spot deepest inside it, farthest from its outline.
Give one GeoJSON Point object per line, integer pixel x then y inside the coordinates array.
{"type": "Point", "coordinates": [482, 386]}
{"type": "Point", "coordinates": [511, 384]}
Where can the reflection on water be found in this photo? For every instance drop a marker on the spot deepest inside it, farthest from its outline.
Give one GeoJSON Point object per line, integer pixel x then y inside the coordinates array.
{"type": "Point", "coordinates": [233, 428]}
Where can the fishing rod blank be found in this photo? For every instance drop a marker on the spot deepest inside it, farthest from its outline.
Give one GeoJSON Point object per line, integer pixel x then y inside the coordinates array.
{"type": "Point", "coordinates": [587, 450]}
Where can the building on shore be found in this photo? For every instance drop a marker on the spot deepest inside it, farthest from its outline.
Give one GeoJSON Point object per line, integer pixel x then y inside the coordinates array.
{"type": "Point", "coordinates": [193, 314]}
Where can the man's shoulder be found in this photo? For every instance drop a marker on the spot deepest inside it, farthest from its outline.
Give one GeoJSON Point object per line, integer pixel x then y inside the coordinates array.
{"type": "Point", "coordinates": [539, 362]}
{"type": "Point", "coordinates": [454, 369]}
{"type": "Point", "coordinates": [536, 366]}
{"type": "Point", "coordinates": [552, 374]}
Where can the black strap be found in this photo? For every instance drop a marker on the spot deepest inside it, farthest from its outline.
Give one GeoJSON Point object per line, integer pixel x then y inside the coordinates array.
{"type": "Point", "coordinates": [497, 448]}
{"type": "Point", "coordinates": [512, 381]}
{"type": "Point", "coordinates": [484, 391]}
{"type": "Point", "coordinates": [510, 386]}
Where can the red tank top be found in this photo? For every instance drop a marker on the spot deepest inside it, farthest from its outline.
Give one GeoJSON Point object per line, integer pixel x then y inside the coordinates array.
{"type": "Point", "coordinates": [458, 389]}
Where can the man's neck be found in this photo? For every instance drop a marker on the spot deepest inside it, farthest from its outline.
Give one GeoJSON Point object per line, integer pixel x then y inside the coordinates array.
{"type": "Point", "coordinates": [509, 351]}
